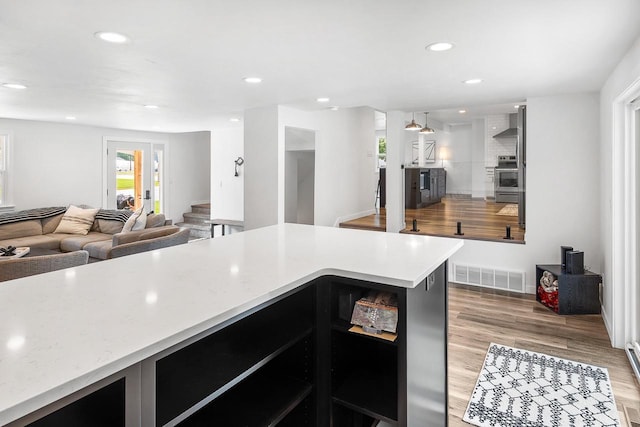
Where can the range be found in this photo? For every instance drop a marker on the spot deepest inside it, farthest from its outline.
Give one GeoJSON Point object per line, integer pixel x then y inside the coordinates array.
{"type": "Point", "coordinates": [506, 180]}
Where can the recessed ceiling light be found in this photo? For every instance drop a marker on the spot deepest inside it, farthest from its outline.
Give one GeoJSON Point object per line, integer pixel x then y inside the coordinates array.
{"type": "Point", "coordinates": [70, 117]}
{"type": "Point", "coordinates": [151, 106]}
{"type": "Point", "coordinates": [322, 99]}
{"type": "Point", "coordinates": [15, 342]}
{"type": "Point", "coordinates": [234, 119]}
{"type": "Point", "coordinates": [14, 86]}
{"type": "Point", "coordinates": [516, 106]}
{"type": "Point", "coordinates": [334, 108]}
{"type": "Point", "coordinates": [111, 37]}
{"type": "Point", "coordinates": [462, 111]}
{"type": "Point", "coordinates": [473, 81]}
{"type": "Point", "coordinates": [439, 46]}
{"type": "Point", "coordinates": [494, 128]}
{"type": "Point", "coordinates": [252, 79]}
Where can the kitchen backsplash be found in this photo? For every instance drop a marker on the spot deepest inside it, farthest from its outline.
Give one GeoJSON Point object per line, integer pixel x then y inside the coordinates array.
{"type": "Point", "coordinates": [497, 147]}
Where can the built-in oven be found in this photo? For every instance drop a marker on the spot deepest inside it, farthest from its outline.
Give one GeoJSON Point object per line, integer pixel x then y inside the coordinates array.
{"type": "Point", "coordinates": [506, 181]}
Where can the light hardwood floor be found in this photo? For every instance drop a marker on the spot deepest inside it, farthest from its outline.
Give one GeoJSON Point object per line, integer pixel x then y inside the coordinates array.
{"type": "Point", "coordinates": [479, 220]}
{"type": "Point", "coordinates": [479, 316]}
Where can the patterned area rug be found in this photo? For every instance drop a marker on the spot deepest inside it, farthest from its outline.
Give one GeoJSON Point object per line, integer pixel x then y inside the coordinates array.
{"type": "Point", "coordinates": [508, 210]}
{"type": "Point", "coordinates": [522, 388]}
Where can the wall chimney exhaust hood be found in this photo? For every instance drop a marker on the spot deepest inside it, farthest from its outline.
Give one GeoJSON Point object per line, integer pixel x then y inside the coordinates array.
{"type": "Point", "coordinates": [512, 132]}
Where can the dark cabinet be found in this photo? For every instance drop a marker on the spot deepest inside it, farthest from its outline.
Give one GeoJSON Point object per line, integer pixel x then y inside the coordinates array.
{"type": "Point", "coordinates": [401, 382]}
{"type": "Point", "coordinates": [265, 359]}
{"type": "Point", "coordinates": [104, 407]}
{"type": "Point", "coordinates": [576, 293]}
{"type": "Point", "coordinates": [424, 186]}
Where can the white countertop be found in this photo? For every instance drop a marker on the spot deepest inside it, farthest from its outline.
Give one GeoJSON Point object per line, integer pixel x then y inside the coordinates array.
{"type": "Point", "coordinates": [64, 330]}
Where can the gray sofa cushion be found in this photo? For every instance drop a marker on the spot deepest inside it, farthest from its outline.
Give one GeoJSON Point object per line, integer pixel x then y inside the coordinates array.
{"type": "Point", "coordinates": [158, 232]}
{"type": "Point", "coordinates": [155, 220]}
{"type": "Point", "coordinates": [178, 238]}
{"type": "Point", "coordinates": [49, 225]}
{"type": "Point", "coordinates": [44, 242]}
{"type": "Point", "coordinates": [20, 229]}
{"type": "Point", "coordinates": [77, 243]}
{"type": "Point", "coordinates": [99, 250]}
{"type": "Point", "coordinates": [109, 226]}
{"type": "Point", "coordinates": [134, 236]}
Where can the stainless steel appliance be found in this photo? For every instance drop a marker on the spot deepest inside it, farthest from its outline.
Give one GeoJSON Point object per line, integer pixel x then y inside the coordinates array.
{"type": "Point", "coordinates": [522, 163]}
{"type": "Point", "coordinates": [507, 180]}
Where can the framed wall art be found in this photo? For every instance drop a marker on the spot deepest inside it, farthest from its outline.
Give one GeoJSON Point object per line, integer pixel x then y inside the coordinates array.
{"type": "Point", "coordinates": [429, 151]}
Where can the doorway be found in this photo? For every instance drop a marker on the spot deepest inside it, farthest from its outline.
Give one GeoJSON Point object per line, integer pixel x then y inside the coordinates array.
{"type": "Point", "coordinates": [134, 175]}
{"type": "Point", "coordinates": [625, 237]}
{"type": "Point", "coordinates": [299, 173]}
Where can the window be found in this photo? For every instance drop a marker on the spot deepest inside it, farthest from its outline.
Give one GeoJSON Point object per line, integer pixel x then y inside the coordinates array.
{"type": "Point", "coordinates": [382, 151]}
{"type": "Point", "coordinates": [4, 191]}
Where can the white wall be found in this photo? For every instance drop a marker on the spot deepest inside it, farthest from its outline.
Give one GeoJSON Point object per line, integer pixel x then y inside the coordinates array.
{"type": "Point", "coordinates": [261, 157]}
{"type": "Point", "coordinates": [345, 179]}
{"type": "Point", "coordinates": [394, 175]}
{"type": "Point", "coordinates": [55, 164]}
{"type": "Point", "coordinates": [441, 136]}
{"type": "Point", "coordinates": [345, 174]}
{"type": "Point", "coordinates": [190, 169]}
{"type": "Point", "coordinates": [623, 76]}
{"type": "Point", "coordinates": [299, 187]}
{"type": "Point", "coordinates": [458, 164]}
{"type": "Point", "coordinates": [563, 203]}
{"type": "Point", "coordinates": [478, 171]}
{"type": "Point", "coordinates": [306, 187]}
{"type": "Point", "coordinates": [227, 190]}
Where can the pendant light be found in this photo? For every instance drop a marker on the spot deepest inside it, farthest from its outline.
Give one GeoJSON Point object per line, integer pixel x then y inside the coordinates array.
{"type": "Point", "coordinates": [413, 126]}
{"type": "Point", "coordinates": [426, 129]}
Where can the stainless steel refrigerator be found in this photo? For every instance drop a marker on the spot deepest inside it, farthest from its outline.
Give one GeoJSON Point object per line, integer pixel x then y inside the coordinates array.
{"type": "Point", "coordinates": [521, 155]}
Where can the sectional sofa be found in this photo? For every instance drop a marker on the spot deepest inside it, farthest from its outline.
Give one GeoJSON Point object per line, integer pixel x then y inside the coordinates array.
{"type": "Point", "coordinates": [105, 238]}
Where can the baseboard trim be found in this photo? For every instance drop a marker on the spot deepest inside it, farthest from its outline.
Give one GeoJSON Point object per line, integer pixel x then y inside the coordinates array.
{"type": "Point", "coordinates": [353, 216]}
{"type": "Point", "coordinates": [607, 324]}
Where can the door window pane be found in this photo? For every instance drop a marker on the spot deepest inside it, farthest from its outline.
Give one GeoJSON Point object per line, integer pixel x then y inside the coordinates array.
{"type": "Point", "coordinates": [129, 179]}
{"type": "Point", "coordinates": [157, 180]}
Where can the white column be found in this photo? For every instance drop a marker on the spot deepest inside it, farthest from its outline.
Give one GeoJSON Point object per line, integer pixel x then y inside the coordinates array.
{"type": "Point", "coordinates": [261, 167]}
{"type": "Point", "coordinates": [396, 136]}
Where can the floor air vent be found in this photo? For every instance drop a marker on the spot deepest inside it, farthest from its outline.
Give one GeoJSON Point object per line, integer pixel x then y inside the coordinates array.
{"type": "Point", "coordinates": [489, 277]}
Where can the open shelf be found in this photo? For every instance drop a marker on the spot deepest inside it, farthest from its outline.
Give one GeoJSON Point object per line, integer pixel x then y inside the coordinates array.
{"type": "Point", "coordinates": [104, 407]}
{"type": "Point", "coordinates": [343, 327]}
{"type": "Point", "coordinates": [345, 417]}
{"type": "Point", "coordinates": [364, 380]}
{"type": "Point", "coordinates": [370, 392]}
{"type": "Point", "coordinates": [365, 375]}
{"type": "Point", "coordinates": [206, 369]}
{"type": "Point", "coordinates": [271, 398]}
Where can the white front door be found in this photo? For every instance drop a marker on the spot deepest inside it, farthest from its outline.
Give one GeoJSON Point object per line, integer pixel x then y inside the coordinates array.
{"type": "Point", "coordinates": [133, 175]}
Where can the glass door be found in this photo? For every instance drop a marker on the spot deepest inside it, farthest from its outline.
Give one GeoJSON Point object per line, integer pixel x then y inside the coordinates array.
{"type": "Point", "coordinates": [134, 176]}
{"type": "Point", "coordinates": [158, 179]}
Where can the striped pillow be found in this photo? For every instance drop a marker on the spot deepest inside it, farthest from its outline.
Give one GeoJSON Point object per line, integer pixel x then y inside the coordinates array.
{"type": "Point", "coordinates": [121, 215]}
{"type": "Point", "coordinates": [77, 220]}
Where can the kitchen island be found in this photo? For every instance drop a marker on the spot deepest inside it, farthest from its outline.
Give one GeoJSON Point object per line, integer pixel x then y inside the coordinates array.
{"type": "Point", "coordinates": [247, 325]}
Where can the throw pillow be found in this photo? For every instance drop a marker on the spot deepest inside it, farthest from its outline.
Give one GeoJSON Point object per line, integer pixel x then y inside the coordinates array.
{"type": "Point", "coordinates": [76, 220]}
{"type": "Point", "coordinates": [137, 221]}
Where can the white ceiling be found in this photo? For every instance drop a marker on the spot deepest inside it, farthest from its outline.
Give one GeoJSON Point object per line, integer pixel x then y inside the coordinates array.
{"type": "Point", "coordinates": [189, 56]}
